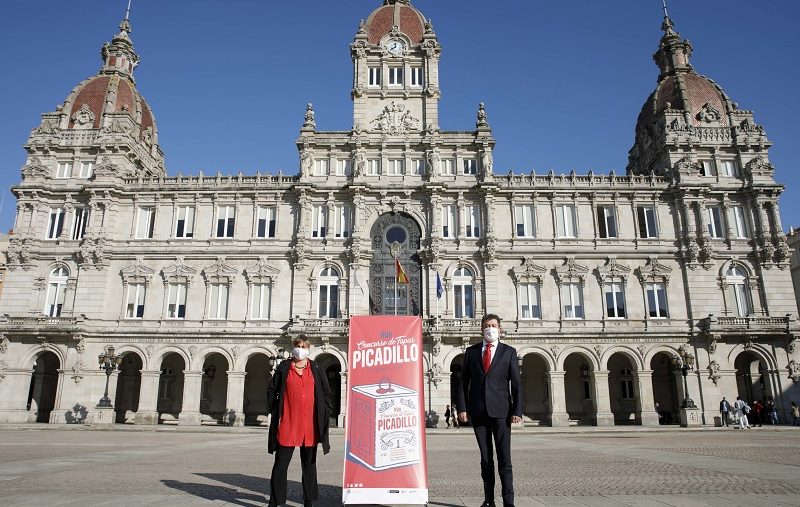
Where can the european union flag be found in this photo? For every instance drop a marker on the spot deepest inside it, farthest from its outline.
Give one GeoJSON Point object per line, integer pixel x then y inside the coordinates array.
{"type": "Point", "coordinates": [439, 288]}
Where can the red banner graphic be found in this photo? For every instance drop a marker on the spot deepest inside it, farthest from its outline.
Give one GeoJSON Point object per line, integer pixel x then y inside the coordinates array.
{"type": "Point", "coordinates": [385, 452]}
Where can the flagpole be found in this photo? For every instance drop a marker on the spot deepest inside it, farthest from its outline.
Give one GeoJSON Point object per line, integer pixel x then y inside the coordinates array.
{"type": "Point", "coordinates": [395, 285]}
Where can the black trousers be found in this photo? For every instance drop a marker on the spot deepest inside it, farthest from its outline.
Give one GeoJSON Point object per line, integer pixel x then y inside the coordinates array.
{"type": "Point", "coordinates": [277, 481]}
{"type": "Point", "coordinates": [486, 430]}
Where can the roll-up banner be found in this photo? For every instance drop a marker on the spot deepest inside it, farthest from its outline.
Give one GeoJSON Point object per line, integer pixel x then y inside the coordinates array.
{"type": "Point", "coordinates": [385, 453]}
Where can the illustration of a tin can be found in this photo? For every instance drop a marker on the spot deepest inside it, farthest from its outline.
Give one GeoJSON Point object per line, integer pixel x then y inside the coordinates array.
{"type": "Point", "coordinates": [385, 427]}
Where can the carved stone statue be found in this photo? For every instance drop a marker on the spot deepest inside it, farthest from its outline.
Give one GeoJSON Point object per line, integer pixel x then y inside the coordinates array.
{"type": "Point", "coordinates": [434, 162]}
{"type": "Point", "coordinates": [84, 118]}
{"type": "Point", "coordinates": [487, 160]}
{"type": "Point", "coordinates": [305, 162]}
{"type": "Point", "coordinates": [309, 122]}
{"type": "Point", "coordinates": [359, 163]}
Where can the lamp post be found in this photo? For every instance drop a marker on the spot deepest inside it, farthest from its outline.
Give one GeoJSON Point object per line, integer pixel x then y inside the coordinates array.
{"type": "Point", "coordinates": [108, 362]}
{"type": "Point", "coordinates": [279, 356]}
{"type": "Point", "coordinates": [684, 362]}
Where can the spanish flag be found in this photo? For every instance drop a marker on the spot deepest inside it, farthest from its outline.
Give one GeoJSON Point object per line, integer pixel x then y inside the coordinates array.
{"type": "Point", "coordinates": [401, 276]}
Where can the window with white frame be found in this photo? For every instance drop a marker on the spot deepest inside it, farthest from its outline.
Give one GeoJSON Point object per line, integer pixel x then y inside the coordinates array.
{"type": "Point", "coordinates": [470, 166]}
{"type": "Point", "coordinates": [321, 166]}
{"type": "Point", "coordinates": [738, 291]}
{"type": "Point", "coordinates": [373, 167]}
{"type": "Point", "coordinates": [714, 217]}
{"type": "Point", "coordinates": [626, 384]}
{"type": "Point", "coordinates": [176, 301]}
{"type": "Point", "coordinates": [79, 222]}
{"type": "Point", "coordinates": [647, 222]}
{"type": "Point", "coordinates": [529, 301]}
{"type": "Point", "coordinates": [448, 167]}
{"type": "Point", "coordinates": [395, 76]}
{"type": "Point", "coordinates": [86, 170]}
{"type": "Point", "coordinates": [417, 166]}
{"type": "Point", "coordinates": [472, 218]}
{"type": "Point", "coordinates": [572, 300]}
{"type": "Point", "coordinates": [56, 291]}
{"type": "Point", "coordinates": [226, 221]}
{"type": "Point", "coordinates": [259, 305]}
{"type": "Point", "coordinates": [615, 300]}
{"type": "Point", "coordinates": [395, 166]}
{"type": "Point", "coordinates": [319, 221]}
{"type": "Point", "coordinates": [344, 167]}
{"type": "Point", "coordinates": [328, 290]}
{"type": "Point", "coordinates": [742, 230]}
{"type": "Point", "coordinates": [656, 300]}
{"type": "Point", "coordinates": [218, 301]}
{"type": "Point", "coordinates": [448, 221]}
{"type": "Point", "coordinates": [145, 222]}
{"type": "Point", "coordinates": [341, 226]}
{"type": "Point", "coordinates": [184, 222]}
{"type": "Point", "coordinates": [606, 221]}
{"type": "Point", "coordinates": [463, 294]}
{"type": "Point", "coordinates": [708, 167]}
{"type": "Point", "coordinates": [265, 222]}
{"type": "Point", "coordinates": [374, 76]}
{"type": "Point", "coordinates": [55, 223]}
{"type": "Point", "coordinates": [565, 221]}
{"type": "Point", "coordinates": [730, 168]}
{"type": "Point", "coordinates": [134, 305]}
{"type": "Point", "coordinates": [416, 77]}
{"type": "Point", "coordinates": [525, 219]}
{"type": "Point", "coordinates": [64, 170]}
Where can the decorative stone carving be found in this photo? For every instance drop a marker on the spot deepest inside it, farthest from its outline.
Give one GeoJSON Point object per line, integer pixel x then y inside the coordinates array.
{"type": "Point", "coordinates": [759, 166]}
{"type": "Point", "coordinates": [306, 161]}
{"type": "Point", "coordinates": [3, 367]}
{"type": "Point", "coordinates": [782, 251]}
{"type": "Point", "coordinates": [437, 347]}
{"type": "Point", "coordinates": [791, 343]}
{"type": "Point", "coordinates": [80, 346]}
{"type": "Point", "coordinates": [261, 272]}
{"type": "Point", "coordinates": [77, 371]}
{"type": "Point", "coordinates": [192, 350]}
{"type": "Point", "coordinates": [137, 272]}
{"type": "Point", "coordinates": [18, 253]}
{"type": "Point", "coordinates": [35, 169]}
{"type": "Point", "coordinates": [713, 339]}
{"type": "Point", "coordinates": [148, 136]}
{"type": "Point", "coordinates": [300, 252]}
{"type": "Point", "coordinates": [713, 372]}
{"type": "Point", "coordinates": [481, 122]}
{"type": "Point", "coordinates": [359, 162]}
{"type": "Point", "coordinates": [794, 370]}
{"type": "Point", "coordinates": [219, 271]}
{"type": "Point", "coordinates": [434, 374]}
{"type": "Point", "coordinates": [48, 128]}
{"type": "Point", "coordinates": [767, 251]}
{"type": "Point", "coordinates": [692, 252]}
{"type": "Point", "coordinates": [309, 123]}
{"type": "Point", "coordinates": [708, 114]}
{"type": "Point", "coordinates": [4, 345]}
{"type": "Point", "coordinates": [571, 271]}
{"type": "Point", "coordinates": [641, 349]}
{"type": "Point", "coordinates": [487, 161]}
{"type": "Point", "coordinates": [395, 119]}
{"type": "Point", "coordinates": [653, 271]}
{"type": "Point", "coordinates": [598, 349]}
{"type": "Point", "coordinates": [235, 351]}
{"type": "Point", "coordinates": [178, 271]}
{"type": "Point", "coordinates": [434, 162]}
{"type": "Point", "coordinates": [149, 350]}
{"type": "Point", "coordinates": [554, 350]}
{"type": "Point", "coordinates": [613, 271]}
{"type": "Point", "coordinates": [489, 252]}
{"type": "Point", "coordinates": [84, 118]}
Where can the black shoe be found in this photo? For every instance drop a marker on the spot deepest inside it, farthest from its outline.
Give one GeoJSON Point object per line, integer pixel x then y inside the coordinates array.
{"type": "Point", "coordinates": [488, 503]}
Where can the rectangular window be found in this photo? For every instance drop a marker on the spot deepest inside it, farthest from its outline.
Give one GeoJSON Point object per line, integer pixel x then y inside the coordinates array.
{"type": "Point", "coordinates": [226, 221]}
{"type": "Point", "coordinates": [647, 222]}
{"type": "Point", "coordinates": [615, 300]}
{"type": "Point", "coordinates": [145, 222]}
{"type": "Point", "coordinates": [472, 227]}
{"type": "Point", "coordinates": [321, 167]}
{"type": "Point", "coordinates": [565, 221]}
{"type": "Point", "coordinates": [328, 301]}
{"type": "Point", "coordinates": [374, 76]}
{"type": "Point", "coordinates": [55, 223]}
{"type": "Point", "coordinates": [708, 168]}
{"type": "Point", "coordinates": [525, 220]}
{"type": "Point", "coordinates": [448, 167]}
{"type": "Point", "coordinates": [470, 166]}
{"type": "Point", "coordinates": [528, 294]}
{"type": "Point", "coordinates": [572, 300]}
{"type": "Point", "coordinates": [374, 166]}
{"type": "Point", "coordinates": [463, 295]}
{"type": "Point", "coordinates": [79, 223]}
{"type": "Point", "coordinates": [714, 222]}
{"type": "Point", "coordinates": [448, 221]}
{"type": "Point", "coordinates": [741, 299]}
{"type": "Point", "coordinates": [657, 301]}
{"type": "Point", "coordinates": [184, 222]}
{"type": "Point", "coordinates": [344, 167]}
{"type": "Point", "coordinates": [731, 168]}
{"type": "Point", "coordinates": [606, 222]}
{"type": "Point", "coordinates": [319, 221]}
{"type": "Point", "coordinates": [64, 170]}
{"type": "Point", "coordinates": [341, 227]}
{"type": "Point", "coordinates": [176, 301]}
{"type": "Point", "coordinates": [218, 303]}
{"type": "Point", "coordinates": [262, 293]}
{"type": "Point", "coordinates": [742, 231]}
{"type": "Point", "coordinates": [55, 299]}
{"type": "Point", "coordinates": [396, 166]}
{"type": "Point", "coordinates": [416, 77]}
{"type": "Point", "coordinates": [265, 226]}
{"type": "Point", "coordinates": [418, 167]}
{"type": "Point", "coordinates": [87, 169]}
{"type": "Point", "coordinates": [395, 76]}
{"type": "Point", "coordinates": [134, 309]}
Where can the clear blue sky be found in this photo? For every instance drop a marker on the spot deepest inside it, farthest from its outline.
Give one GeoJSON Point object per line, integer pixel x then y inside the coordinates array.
{"type": "Point", "coordinates": [563, 82]}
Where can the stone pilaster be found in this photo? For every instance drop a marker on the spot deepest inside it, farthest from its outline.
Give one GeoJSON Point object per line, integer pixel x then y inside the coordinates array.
{"type": "Point", "coordinates": [235, 400]}
{"type": "Point", "coordinates": [602, 399]}
{"type": "Point", "coordinates": [558, 399]}
{"type": "Point", "coordinates": [190, 411]}
{"type": "Point", "coordinates": [148, 398]}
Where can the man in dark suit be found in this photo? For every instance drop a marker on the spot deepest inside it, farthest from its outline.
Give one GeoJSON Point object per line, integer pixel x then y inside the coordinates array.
{"type": "Point", "coordinates": [491, 395]}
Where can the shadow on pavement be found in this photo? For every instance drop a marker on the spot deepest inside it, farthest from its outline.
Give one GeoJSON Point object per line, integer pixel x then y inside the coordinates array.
{"type": "Point", "coordinates": [213, 492]}
{"type": "Point", "coordinates": [328, 495]}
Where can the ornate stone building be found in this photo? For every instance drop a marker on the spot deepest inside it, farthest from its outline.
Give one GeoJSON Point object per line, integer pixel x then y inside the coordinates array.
{"type": "Point", "coordinates": [199, 282]}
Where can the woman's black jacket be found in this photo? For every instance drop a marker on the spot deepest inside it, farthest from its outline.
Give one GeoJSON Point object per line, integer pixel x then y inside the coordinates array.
{"type": "Point", "coordinates": [323, 403]}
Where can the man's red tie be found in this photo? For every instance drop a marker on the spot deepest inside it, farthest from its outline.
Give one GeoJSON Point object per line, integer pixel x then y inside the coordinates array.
{"type": "Point", "coordinates": [487, 357]}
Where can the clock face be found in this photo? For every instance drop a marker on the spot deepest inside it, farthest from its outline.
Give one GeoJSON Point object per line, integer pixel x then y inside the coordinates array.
{"type": "Point", "coordinates": [395, 47]}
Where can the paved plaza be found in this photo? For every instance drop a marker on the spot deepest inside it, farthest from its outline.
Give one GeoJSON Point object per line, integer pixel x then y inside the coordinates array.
{"type": "Point", "coordinates": [48, 465]}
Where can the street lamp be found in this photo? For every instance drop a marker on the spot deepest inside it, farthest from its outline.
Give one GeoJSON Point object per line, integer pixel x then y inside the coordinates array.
{"type": "Point", "coordinates": [279, 356]}
{"type": "Point", "coordinates": [108, 362]}
{"type": "Point", "coordinates": [684, 361]}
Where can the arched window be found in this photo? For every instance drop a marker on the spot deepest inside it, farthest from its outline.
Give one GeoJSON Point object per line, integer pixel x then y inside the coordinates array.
{"type": "Point", "coordinates": [738, 292]}
{"type": "Point", "coordinates": [328, 293]}
{"type": "Point", "coordinates": [55, 291]}
{"type": "Point", "coordinates": [463, 295]}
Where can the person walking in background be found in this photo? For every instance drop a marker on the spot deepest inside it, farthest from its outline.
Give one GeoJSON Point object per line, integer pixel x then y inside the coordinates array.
{"type": "Point", "coordinates": [772, 411]}
{"type": "Point", "coordinates": [491, 396]}
{"type": "Point", "coordinates": [795, 414]}
{"type": "Point", "coordinates": [758, 413]}
{"type": "Point", "coordinates": [724, 410]}
{"type": "Point", "coordinates": [300, 403]}
{"type": "Point", "coordinates": [741, 412]}
{"type": "Point", "coordinates": [447, 416]}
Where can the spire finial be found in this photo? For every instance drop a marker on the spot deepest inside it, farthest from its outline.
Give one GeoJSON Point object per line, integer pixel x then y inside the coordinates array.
{"type": "Point", "coordinates": [128, 10]}
{"type": "Point", "coordinates": [664, 4]}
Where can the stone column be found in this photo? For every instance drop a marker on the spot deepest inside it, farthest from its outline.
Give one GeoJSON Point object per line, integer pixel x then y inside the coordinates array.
{"type": "Point", "coordinates": [343, 398]}
{"type": "Point", "coordinates": [148, 398]}
{"type": "Point", "coordinates": [558, 399]}
{"type": "Point", "coordinates": [602, 398]}
{"type": "Point", "coordinates": [235, 399]}
{"type": "Point", "coordinates": [645, 404]}
{"type": "Point", "coordinates": [190, 411]}
{"type": "Point", "coordinates": [14, 396]}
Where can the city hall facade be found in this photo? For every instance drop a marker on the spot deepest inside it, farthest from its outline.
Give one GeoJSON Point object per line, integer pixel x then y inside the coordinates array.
{"type": "Point", "coordinates": [607, 283]}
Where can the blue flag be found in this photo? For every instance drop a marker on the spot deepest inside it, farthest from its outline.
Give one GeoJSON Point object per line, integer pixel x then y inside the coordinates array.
{"type": "Point", "coordinates": [439, 288]}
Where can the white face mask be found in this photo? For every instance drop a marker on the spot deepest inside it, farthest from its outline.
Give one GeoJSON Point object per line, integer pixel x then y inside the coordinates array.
{"type": "Point", "coordinates": [491, 334]}
{"type": "Point", "coordinates": [300, 353]}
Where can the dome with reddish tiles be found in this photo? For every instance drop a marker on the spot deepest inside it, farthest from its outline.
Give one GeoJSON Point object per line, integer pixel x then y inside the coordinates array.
{"type": "Point", "coordinates": [395, 13]}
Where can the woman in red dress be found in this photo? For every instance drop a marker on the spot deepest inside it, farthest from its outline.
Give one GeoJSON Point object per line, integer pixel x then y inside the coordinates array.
{"type": "Point", "coordinates": [299, 399]}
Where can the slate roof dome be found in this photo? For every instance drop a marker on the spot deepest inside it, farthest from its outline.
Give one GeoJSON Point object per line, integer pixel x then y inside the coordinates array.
{"type": "Point", "coordinates": [395, 13]}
